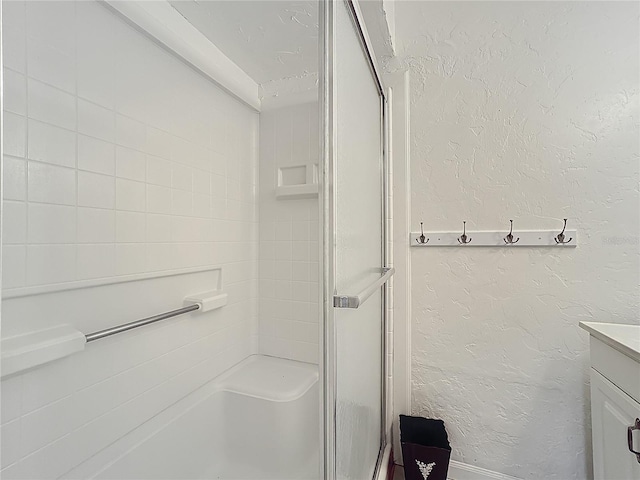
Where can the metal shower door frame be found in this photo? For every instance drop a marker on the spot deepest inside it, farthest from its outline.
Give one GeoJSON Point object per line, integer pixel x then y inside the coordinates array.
{"type": "Point", "coordinates": [328, 220]}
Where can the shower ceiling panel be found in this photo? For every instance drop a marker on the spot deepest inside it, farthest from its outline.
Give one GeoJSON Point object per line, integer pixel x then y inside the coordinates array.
{"type": "Point", "coordinates": [269, 40]}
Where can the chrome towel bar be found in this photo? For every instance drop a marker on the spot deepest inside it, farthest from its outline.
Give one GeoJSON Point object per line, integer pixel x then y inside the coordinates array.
{"type": "Point", "coordinates": [139, 323]}
{"type": "Point", "coordinates": [345, 301]}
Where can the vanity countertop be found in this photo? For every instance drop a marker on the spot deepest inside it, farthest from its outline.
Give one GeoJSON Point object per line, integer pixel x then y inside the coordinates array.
{"type": "Point", "coordinates": [623, 337]}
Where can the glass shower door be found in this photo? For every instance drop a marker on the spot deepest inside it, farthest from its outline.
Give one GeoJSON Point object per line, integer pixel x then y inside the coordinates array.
{"type": "Point", "coordinates": [354, 250]}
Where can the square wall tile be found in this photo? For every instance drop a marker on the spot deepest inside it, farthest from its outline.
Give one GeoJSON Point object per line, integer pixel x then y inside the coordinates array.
{"type": "Point", "coordinates": [201, 205]}
{"type": "Point", "coordinates": [218, 186]}
{"type": "Point", "coordinates": [14, 42]}
{"type": "Point", "coordinates": [160, 256]}
{"type": "Point", "coordinates": [51, 184]}
{"type": "Point", "coordinates": [11, 407]}
{"type": "Point", "coordinates": [50, 264]}
{"type": "Point", "coordinates": [15, 92]}
{"type": "Point", "coordinates": [300, 251]}
{"type": "Point", "coordinates": [130, 133]}
{"type": "Point", "coordinates": [95, 52]}
{"type": "Point", "coordinates": [51, 144]}
{"type": "Point", "coordinates": [218, 208]}
{"type": "Point", "coordinates": [183, 229]}
{"type": "Point", "coordinates": [96, 121]}
{"type": "Point", "coordinates": [96, 225]}
{"type": "Point", "coordinates": [14, 183]}
{"type": "Point", "coordinates": [218, 163]}
{"type": "Point", "coordinates": [54, 23]}
{"type": "Point", "coordinates": [201, 182]}
{"type": "Point", "coordinates": [14, 258]}
{"type": "Point", "coordinates": [50, 65]}
{"type": "Point", "coordinates": [96, 190]}
{"type": "Point", "coordinates": [96, 261]}
{"type": "Point", "coordinates": [283, 270]}
{"type": "Point", "coordinates": [158, 171]}
{"type": "Point", "coordinates": [300, 271]}
{"type": "Point", "coordinates": [158, 143]}
{"type": "Point", "coordinates": [95, 76]}
{"type": "Point", "coordinates": [51, 105]}
{"type": "Point", "coordinates": [51, 224]}
{"type": "Point", "coordinates": [130, 195]}
{"type": "Point", "coordinates": [158, 199]}
{"type": "Point", "coordinates": [96, 155]}
{"type": "Point", "coordinates": [130, 164]}
{"type": "Point", "coordinates": [130, 258]}
{"type": "Point", "coordinates": [300, 132]}
{"type": "Point", "coordinates": [14, 223]}
{"type": "Point", "coordinates": [283, 231]}
{"type": "Point", "coordinates": [130, 227]}
{"type": "Point", "coordinates": [182, 177]}
{"type": "Point", "coordinates": [300, 230]}
{"type": "Point", "coordinates": [158, 228]}
{"type": "Point", "coordinates": [283, 251]}
{"type": "Point", "coordinates": [181, 202]}
{"type": "Point", "coordinates": [14, 133]}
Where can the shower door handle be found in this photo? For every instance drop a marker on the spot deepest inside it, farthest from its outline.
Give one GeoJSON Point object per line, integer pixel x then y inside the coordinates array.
{"type": "Point", "coordinates": [630, 430]}
{"type": "Point", "coordinates": [346, 301]}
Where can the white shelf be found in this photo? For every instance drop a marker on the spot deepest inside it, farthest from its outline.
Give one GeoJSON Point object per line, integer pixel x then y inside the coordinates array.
{"type": "Point", "coordinates": [37, 348]}
{"type": "Point", "coordinates": [297, 181]}
{"type": "Point", "coordinates": [297, 191]}
{"type": "Point", "coordinates": [208, 300]}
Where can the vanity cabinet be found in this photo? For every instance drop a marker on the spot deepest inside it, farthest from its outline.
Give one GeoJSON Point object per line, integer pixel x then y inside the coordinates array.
{"type": "Point", "coordinates": [615, 400]}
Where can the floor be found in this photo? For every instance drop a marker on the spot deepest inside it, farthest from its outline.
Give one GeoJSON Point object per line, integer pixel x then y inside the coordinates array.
{"type": "Point", "coordinates": [398, 473]}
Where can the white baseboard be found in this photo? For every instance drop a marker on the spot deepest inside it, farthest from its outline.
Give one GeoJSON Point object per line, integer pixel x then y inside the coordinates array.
{"type": "Point", "coordinates": [462, 471]}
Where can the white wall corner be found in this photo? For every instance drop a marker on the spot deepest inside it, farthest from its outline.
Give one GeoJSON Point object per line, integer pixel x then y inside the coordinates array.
{"type": "Point", "coordinates": [379, 18]}
{"type": "Point", "coordinates": [400, 140]}
{"type": "Point", "coordinates": [389, 10]}
{"type": "Point", "coordinates": [171, 30]}
{"type": "Point", "coordinates": [288, 91]}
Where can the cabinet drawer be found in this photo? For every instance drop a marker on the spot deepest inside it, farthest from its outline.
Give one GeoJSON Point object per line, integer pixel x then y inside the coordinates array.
{"type": "Point", "coordinates": [621, 370]}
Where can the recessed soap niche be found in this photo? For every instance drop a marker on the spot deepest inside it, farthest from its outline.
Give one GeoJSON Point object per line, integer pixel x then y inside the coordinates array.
{"type": "Point", "coordinates": [297, 181]}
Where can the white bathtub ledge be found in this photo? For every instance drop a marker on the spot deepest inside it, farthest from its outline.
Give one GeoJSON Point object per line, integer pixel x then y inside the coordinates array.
{"type": "Point", "coordinates": [33, 349]}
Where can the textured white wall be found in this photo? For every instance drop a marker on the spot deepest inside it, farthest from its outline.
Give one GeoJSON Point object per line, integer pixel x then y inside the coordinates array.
{"type": "Point", "coordinates": [526, 111]}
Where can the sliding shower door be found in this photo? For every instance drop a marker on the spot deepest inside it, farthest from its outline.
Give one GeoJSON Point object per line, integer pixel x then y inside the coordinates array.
{"type": "Point", "coordinates": [355, 273]}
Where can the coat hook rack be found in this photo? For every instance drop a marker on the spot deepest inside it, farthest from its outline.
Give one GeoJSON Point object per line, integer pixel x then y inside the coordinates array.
{"type": "Point", "coordinates": [509, 238]}
{"type": "Point", "coordinates": [463, 239]}
{"type": "Point", "coordinates": [560, 238]}
{"type": "Point", "coordinates": [421, 238]}
{"type": "Point", "coordinates": [496, 238]}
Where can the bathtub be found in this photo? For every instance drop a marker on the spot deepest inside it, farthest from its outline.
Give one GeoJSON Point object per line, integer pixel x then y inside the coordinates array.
{"type": "Point", "coordinates": [259, 421]}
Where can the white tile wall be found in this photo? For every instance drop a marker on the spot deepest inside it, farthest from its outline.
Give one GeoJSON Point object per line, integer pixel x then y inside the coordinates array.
{"type": "Point", "coordinates": [50, 144]}
{"type": "Point", "coordinates": [289, 250]}
{"type": "Point", "coordinates": [119, 159]}
{"type": "Point", "coordinates": [75, 149]}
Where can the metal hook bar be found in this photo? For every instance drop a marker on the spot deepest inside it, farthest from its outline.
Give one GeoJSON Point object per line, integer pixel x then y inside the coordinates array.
{"type": "Point", "coordinates": [421, 238]}
{"type": "Point", "coordinates": [509, 238]}
{"type": "Point", "coordinates": [560, 237]}
{"type": "Point", "coordinates": [462, 239]}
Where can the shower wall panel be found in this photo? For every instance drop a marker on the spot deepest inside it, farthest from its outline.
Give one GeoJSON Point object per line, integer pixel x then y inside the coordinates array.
{"type": "Point", "coordinates": [119, 160]}
{"type": "Point", "coordinates": [289, 248]}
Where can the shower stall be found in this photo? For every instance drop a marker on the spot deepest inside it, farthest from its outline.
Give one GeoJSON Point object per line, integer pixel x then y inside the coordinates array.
{"type": "Point", "coordinates": [195, 265]}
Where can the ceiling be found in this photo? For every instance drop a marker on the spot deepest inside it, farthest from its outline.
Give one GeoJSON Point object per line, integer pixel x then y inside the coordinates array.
{"type": "Point", "coordinates": [269, 40]}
